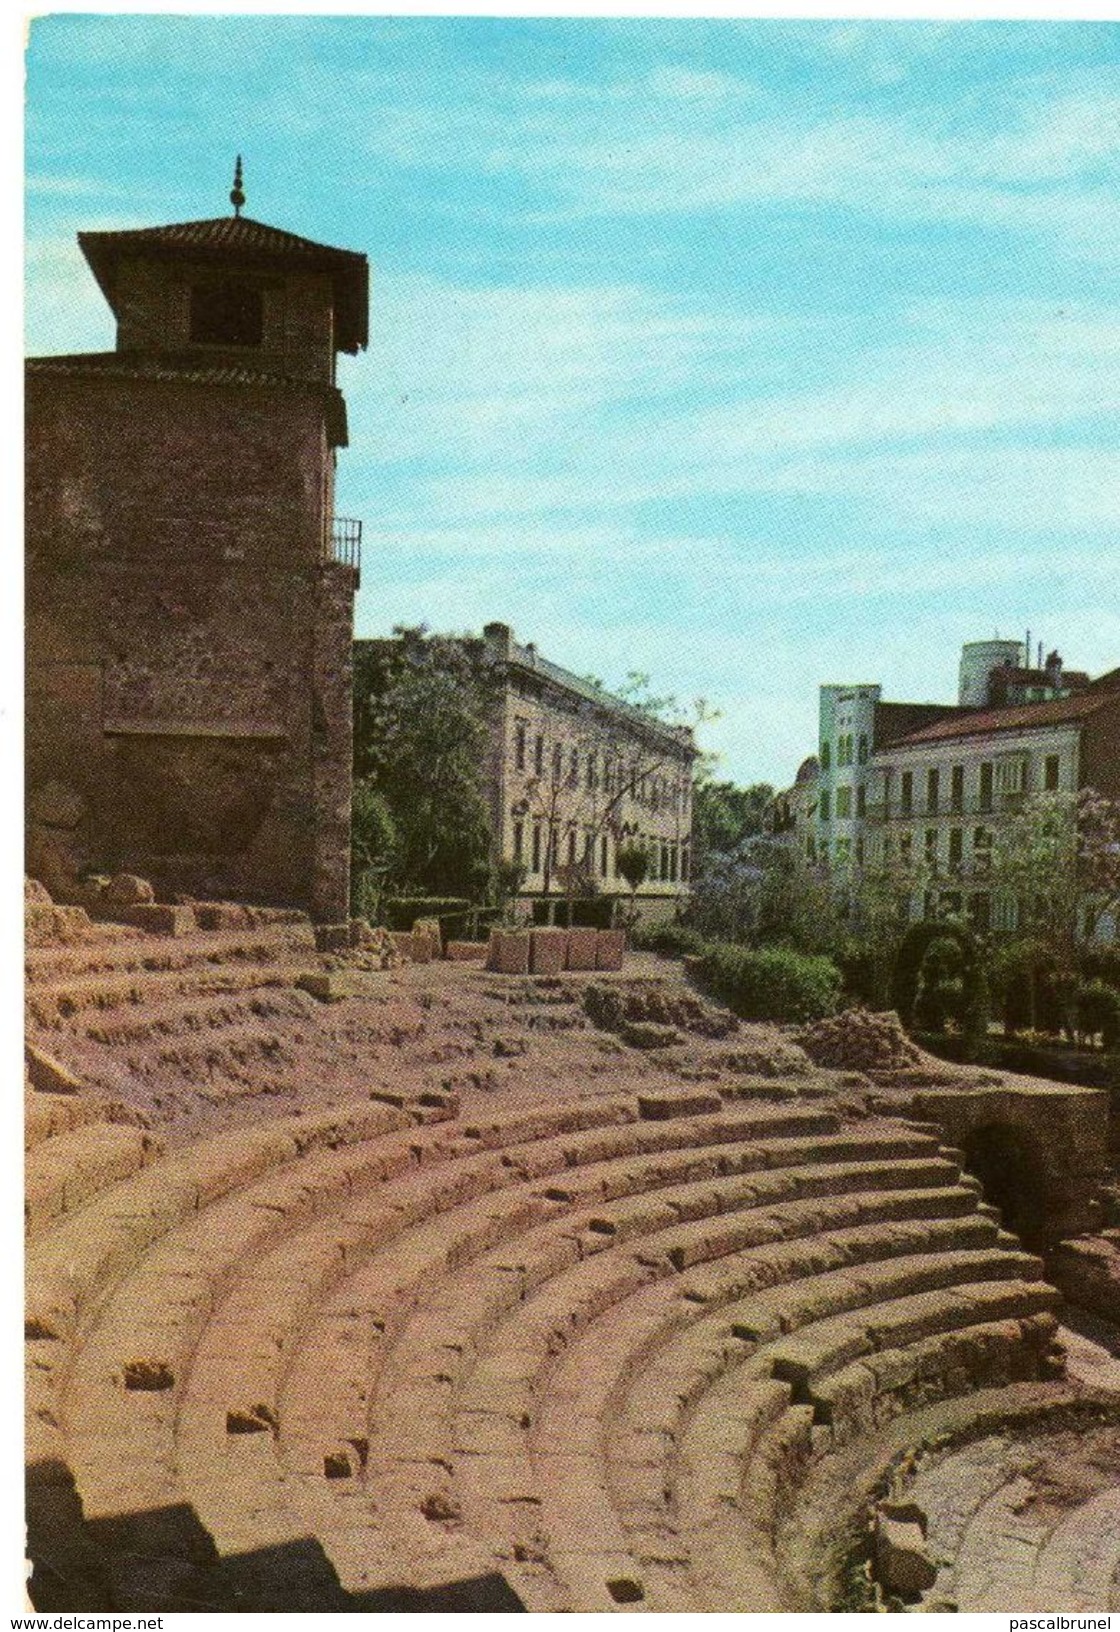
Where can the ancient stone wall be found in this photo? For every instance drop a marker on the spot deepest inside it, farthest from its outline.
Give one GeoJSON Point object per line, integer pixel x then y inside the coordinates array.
{"type": "Point", "coordinates": [1045, 1144]}
{"type": "Point", "coordinates": [180, 622]}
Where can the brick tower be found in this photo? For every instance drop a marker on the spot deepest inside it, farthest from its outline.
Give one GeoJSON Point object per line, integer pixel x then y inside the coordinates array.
{"type": "Point", "coordinates": [189, 588]}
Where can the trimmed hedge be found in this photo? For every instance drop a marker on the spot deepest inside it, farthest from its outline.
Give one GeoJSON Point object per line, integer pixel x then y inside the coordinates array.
{"type": "Point", "coordinates": [585, 912]}
{"type": "Point", "coordinates": [771, 983]}
{"type": "Point", "coordinates": [670, 938]}
{"type": "Point", "coordinates": [402, 911]}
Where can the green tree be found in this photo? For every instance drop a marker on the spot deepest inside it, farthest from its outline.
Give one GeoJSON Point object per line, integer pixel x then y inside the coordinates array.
{"type": "Point", "coordinates": [1059, 859]}
{"type": "Point", "coordinates": [725, 817]}
{"type": "Point", "coordinates": [373, 849]}
{"type": "Point", "coordinates": [421, 745]}
{"type": "Point", "coordinates": [632, 861]}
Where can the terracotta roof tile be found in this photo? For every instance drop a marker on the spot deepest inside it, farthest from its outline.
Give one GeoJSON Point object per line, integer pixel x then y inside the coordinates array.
{"type": "Point", "coordinates": [249, 243]}
{"type": "Point", "coordinates": [1024, 717]}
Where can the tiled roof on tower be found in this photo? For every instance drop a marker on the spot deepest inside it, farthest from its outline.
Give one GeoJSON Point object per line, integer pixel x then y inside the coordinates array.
{"type": "Point", "coordinates": [238, 239]}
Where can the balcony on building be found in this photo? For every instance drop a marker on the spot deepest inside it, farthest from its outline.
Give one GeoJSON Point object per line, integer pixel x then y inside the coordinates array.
{"type": "Point", "coordinates": [346, 545]}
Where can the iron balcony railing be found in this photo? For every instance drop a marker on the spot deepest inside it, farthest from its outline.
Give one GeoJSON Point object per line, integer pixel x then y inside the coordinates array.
{"type": "Point", "coordinates": [919, 811]}
{"type": "Point", "coordinates": [346, 543]}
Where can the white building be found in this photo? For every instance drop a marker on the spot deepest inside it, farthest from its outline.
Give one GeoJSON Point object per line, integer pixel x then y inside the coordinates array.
{"type": "Point", "coordinates": [930, 782]}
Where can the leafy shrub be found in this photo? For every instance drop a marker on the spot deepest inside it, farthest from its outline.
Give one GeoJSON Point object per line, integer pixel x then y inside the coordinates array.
{"type": "Point", "coordinates": [771, 983]}
{"type": "Point", "coordinates": [1101, 963]}
{"type": "Point", "coordinates": [1098, 1009]}
{"type": "Point", "coordinates": [667, 936]}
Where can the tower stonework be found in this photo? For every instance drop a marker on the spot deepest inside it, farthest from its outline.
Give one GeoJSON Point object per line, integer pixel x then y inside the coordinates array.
{"type": "Point", "coordinates": [189, 589]}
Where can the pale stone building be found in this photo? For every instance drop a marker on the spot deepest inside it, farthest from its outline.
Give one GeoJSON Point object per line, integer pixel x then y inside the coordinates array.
{"type": "Point", "coordinates": [576, 774]}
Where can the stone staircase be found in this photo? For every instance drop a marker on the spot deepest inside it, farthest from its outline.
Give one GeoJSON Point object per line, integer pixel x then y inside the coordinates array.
{"type": "Point", "coordinates": [384, 1356]}
{"type": "Point", "coordinates": [205, 1009]}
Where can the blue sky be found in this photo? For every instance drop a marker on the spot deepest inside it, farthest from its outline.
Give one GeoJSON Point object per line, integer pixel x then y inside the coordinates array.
{"type": "Point", "coordinates": [752, 354]}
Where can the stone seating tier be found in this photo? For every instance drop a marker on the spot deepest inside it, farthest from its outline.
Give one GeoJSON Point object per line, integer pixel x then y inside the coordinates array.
{"type": "Point", "coordinates": [591, 1347]}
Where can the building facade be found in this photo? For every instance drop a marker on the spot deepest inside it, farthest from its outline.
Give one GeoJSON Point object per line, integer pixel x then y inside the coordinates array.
{"type": "Point", "coordinates": [940, 795]}
{"type": "Point", "coordinates": [189, 588]}
{"type": "Point", "coordinates": [576, 775]}
{"type": "Point", "coordinates": [928, 785]}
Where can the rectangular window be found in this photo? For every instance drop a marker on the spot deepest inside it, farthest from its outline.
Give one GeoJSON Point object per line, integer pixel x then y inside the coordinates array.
{"type": "Point", "coordinates": [905, 846]}
{"type": "Point", "coordinates": [863, 750]}
{"type": "Point", "coordinates": [1010, 775]}
{"type": "Point", "coordinates": [520, 747]}
{"type": "Point", "coordinates": [226, 314]}
{"type": "Point", "coordinates": [538, 756]}
{"type": "Point", "coordinates": [906, 796]}
{"type": "Point", "coordinates": [859, 852]}
{"type": "Point", "coordinates": [933, 788]}
{"type": "Point", "coordinates": [931, 847]}
{"type": "Point", "coordinates": [519, 841]}
{"type": "Point", "coordinates": [843, 803]}
{"type": "Point", "coordinates": [603, 856]}
{"type": "Point", "coordinates": [573, 769]}
{"type": "Point", "coordinates": [592, 771]}
{"type": "Point", "coordinates": [554, 844]}
{"type": "Point", "coordinates": [986, 785]}
{"type": "Point", "coordinates": [826, 756]}
{"type": "Point", "coordinates": [956, 790]}
{"type": "Point", "coordinates": [956, 848]}
{"type": "Point", "coordinates": [536, 847]}
{"type": "Point", "coordinates": [826, 806]}
{"type": "Point", "coordinates": [1052, 773]}
{"type": "Point", "coordinates": [1005, 911]}
{"type": "Point", "coordinates": [685, 862]}
{"type": "Point", "coordinates": [557, 763]}
{"type": "Point", "coordinates": [572, 847]}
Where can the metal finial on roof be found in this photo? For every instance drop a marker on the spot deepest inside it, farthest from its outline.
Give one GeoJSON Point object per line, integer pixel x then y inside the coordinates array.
{"type": "Point", "coordinates": [237, 194]}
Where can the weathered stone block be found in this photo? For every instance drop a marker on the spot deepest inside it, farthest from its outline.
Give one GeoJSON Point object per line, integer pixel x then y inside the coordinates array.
{"type": "Point", "coordinates": [582, 948]}
{"type": "Point", "coordinates": [48, 1075]}
{"type": "Point", "coordinates": [158, 919]}
{"type": "Point", "coordinates": [332, 937]}
{"type": "Point", "coordinates": [430, 928]}
{"type": "Point", "coordinates": [127, 890]}
{"type": "Point", "coordinates": [902, 1563]}
{"type": "Point", "coordinates": [509, 952]}
{"type": "Point", "coordinates": [610, 949]}
{"type": "Point", "coordinates": [547, 951]}
{"type": "Point", "coordinates": [467, 951]}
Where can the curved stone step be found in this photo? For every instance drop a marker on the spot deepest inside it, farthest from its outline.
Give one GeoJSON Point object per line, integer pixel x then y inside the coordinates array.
{"type": "Point", "coordinates": [1077, 1568]}
{"type": "Point", "coordinates": [47, 1115]}
{"type": "Point", "coordinates": [64, 1172]}
{"type": "Point", "coordinates": [134, 953]}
